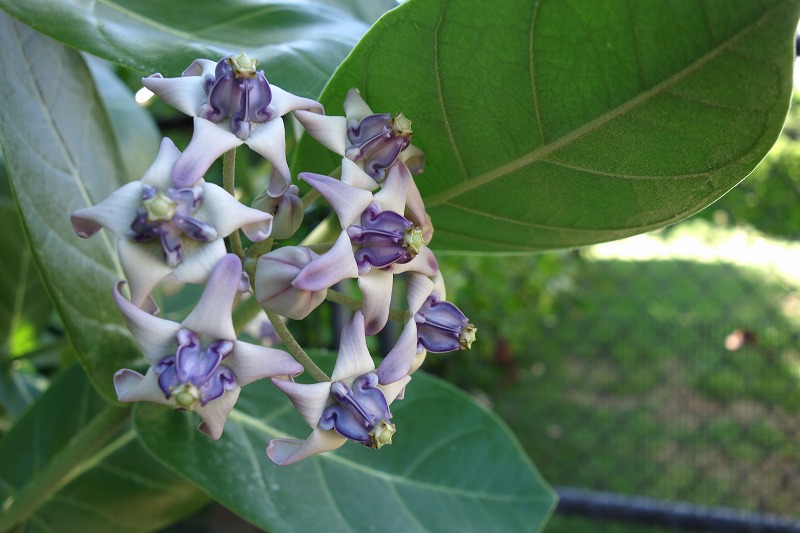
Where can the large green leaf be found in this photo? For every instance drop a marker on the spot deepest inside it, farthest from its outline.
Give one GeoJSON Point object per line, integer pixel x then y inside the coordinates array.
{"type": "Point", "coordinates": [114, 486]}
{"type": "Point", "coordinates": [299, 42]}
{"type": "Point", "coordinates": [453, 467]}
{"type": "Point", "coordinates": [558, 123]}
{"type": "Point", "coordinates": [61, 156]}
{"type": "Point", "coordinates": [24, 304]}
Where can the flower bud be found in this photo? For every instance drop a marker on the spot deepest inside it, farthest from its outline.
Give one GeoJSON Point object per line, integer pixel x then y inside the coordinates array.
{"type": "Point", "coordinates": [275, 274]}
{"type": "Point", "coordinates": [286, 210]}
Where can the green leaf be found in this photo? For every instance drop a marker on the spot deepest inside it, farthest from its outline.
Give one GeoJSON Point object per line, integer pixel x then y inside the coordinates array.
{"type": "Point", "coordinates": [134, 128]}
{"type": "Point", "coordinates": [115, 486]}
{"type": "Point", "coordinates": [453, 467]}
{"type": "Point", "coordinates": [24, 304]}
{"type": "Point", "coordinates": [554, 124]}
{"type": "Point", "coordinates": [299, 43]}
{"type": "Point", "coordinates": [60, 155]}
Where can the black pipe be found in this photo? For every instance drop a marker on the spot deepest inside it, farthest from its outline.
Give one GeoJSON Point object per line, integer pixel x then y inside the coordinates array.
{"type": "Point", "coordinates": [682, 516]}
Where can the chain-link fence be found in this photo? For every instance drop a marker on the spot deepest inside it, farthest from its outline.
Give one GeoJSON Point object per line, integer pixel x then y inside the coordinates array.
{"type": "Point", "coordinates": [665, 366]}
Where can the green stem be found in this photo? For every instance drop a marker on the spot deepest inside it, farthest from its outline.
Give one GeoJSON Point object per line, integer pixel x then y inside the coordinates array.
{"type": "Point", "coordinates": [294, 348]}
{"type": "Point", "coordinates": [63, 466]}
{"type": "Point", "coordinates": [355, 304]}
{"type": "Point", "coordinates": [228, 183]}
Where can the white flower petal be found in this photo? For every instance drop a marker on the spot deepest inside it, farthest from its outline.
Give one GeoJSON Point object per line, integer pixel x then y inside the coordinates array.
{"type": "Point", "coordinates": [330, 268]}
{"type": "Point", "coordinates": [287, 451]}
{"type": "Point", "coordinates": [394, 391]}
{"type": "Point", "coordinates": [418, 288]}
{"type": "Point", "coordinates": [392, 196]}
{"type": "Point", "coordinates": [438, 285]}
{"type": "Point", "coordinates": [330, 131]}
{"type": "Point", "coordinates": [414, 159]}
{"type": "Point", "coordinates": [212, 314]}
{"type": "Point", "coordinates": [309, 400]}
{"type": "Point", "coordinates": [199, 259]}
{"type": "Point", "coordinates": [269, 140]}
{"type": "Point", "coordinates": [116, 213]}
{"type": "Point", "coordinates": [215, 413]}
{"type": "Point", "coordinates": [159, 175]}
{"type": "Point", "coordinates": [354, 175]}
{"type": "Point", "coordinates": [185, 94]}
{"type": "Point", "coordinates": [251, 363]}
{"type": "Point", "coordinates": [376, 298]}
{"type": "Point", "coordinates": [226, 214]}
{"type": "Point", "coordinates": [155, 336]}
{"type": "Point", "coordinates": [348, 202]}
{"type": "Point", "coordinates": [131, 386]}
{"type": "Point", "coordinates": [353, 359]}
{"type": "Point", "coordinates": [424, 263]}
{"type": "Point", "coordinates": [398, 361]}
{"type": "Point", "coordinates": [355, 108]}
{"type": "Point", "coordinates": [143, 265]}
{"type": "Point", "coordinates": [283, 102]}
{"type": "Point", "coordinates": [201, 67]}
{"type": "Point", "coordinates": [209, 141]}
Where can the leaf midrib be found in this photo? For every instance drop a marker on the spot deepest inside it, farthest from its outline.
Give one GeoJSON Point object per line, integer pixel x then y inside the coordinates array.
{"type": "Point", "coordinates": [539, 153]}
{"type": "Point", "coordinates": [260, 426]}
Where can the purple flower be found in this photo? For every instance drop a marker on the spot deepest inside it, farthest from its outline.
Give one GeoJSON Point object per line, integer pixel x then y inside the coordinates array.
{"type": "Point", "coordinates": [232, 104]}
{"type": "Point", "coordinates": [438, 327]}
{"type": "Point", "coordinates": [352, 406]}
{"type": "Point", "coordinates": [165, 230]}
{"type": "Point", "coordinates": [198, 364]}
{"type": "Point", "coordinates": [387, 242]}
{"type": "Point", "coordinates": [373, 141]}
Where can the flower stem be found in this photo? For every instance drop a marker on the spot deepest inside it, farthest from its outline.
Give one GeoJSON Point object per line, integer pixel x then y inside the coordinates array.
{"type": "Point", "coordinates": [294, 348]}
{"type": "Point", "coordinates": [228, 183]}
{"type": "Point", "coordinates": [63, 466]}
{"type": "Point", "coordinates": [355, 304]}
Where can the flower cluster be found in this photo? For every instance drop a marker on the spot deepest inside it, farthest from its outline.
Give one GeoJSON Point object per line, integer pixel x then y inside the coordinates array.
{"type": "Point", "coordinates": [173, 223]}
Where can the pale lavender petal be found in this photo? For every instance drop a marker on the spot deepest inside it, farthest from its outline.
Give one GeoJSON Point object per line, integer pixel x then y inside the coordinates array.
{"type": "Point", "coordinates": [330, 268]}
{"type": "Point", "coordinates": [394, 391]}
{"type": "Point", "coordinates": [348, 202]}
{"type": "Point", "coordinates": [275, 272]}
{"type": "Point", "coordinates": [355, 108]}
{"type": "Point", "coordinates": [212, 314]}
{"type": "Point", "coordinates": [199, 260]}
{"type": "Point", "coordinates": [155, 336]}
{"type": "Point", "coordinates": [354, 359]}
{"type": "Point", "coordinates": [418, 288]}
{"type": "Point", "coordinates": [415, 208]}
{"type": "Point", "coordinates": [287, 451]}
{"type": "Point", "coordinates": [392, 196]}
{"type": "Point", "coordinates": [186, 94]}
{"type": "Point", "coordinates": [131, 386]}
{"type": "Point", "coordinates": [144, 267]}
{"type": "Point", "coordinates": [116, 213]}
{"type": "Point", "coordinates": [330, 131]}
{"type": "Point", "coordinates": [284, 102]}
{"type": "Point", "coordinates": [354, 175]}
{"type": "Point", "coordinates": [269, 140]}
{"type": "Point", "coordinates": [398, 361]}
{"type": "Point", "coordinates": [376, 298]}
{"type": "Point", "coordinates": [251, 363]}
{"type": "Point", "coordinates": [227, 214]}
{"type": "Point", "coordinates": [424, 263]}
{"type": "Point", "coordinates": [414, 159]}
{"type": "Point", "coordinates": [215, 413]}
{"type": "Point", "coordinates": [438, 285]}
{"type": "Point", "coordinates": [309, 400]}
{"type": "Point", "coordinates": [201, 67]}
{"type": "Point", "coordinates": [209, 141]}
{"type": "Point", "coordinates": [159, 175]}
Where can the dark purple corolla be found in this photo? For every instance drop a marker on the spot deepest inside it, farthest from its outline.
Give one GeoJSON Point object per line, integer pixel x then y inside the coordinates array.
{"type": "Point", "coordinates": [163, 230]}
{"type": "Point", "coordinates": [232, 104]}
{"type": "Point", "coordinates": [198, 365]}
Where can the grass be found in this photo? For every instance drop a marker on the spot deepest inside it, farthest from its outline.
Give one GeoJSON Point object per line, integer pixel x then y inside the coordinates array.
{"type": "Point", "coordinates": [619, 378]}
